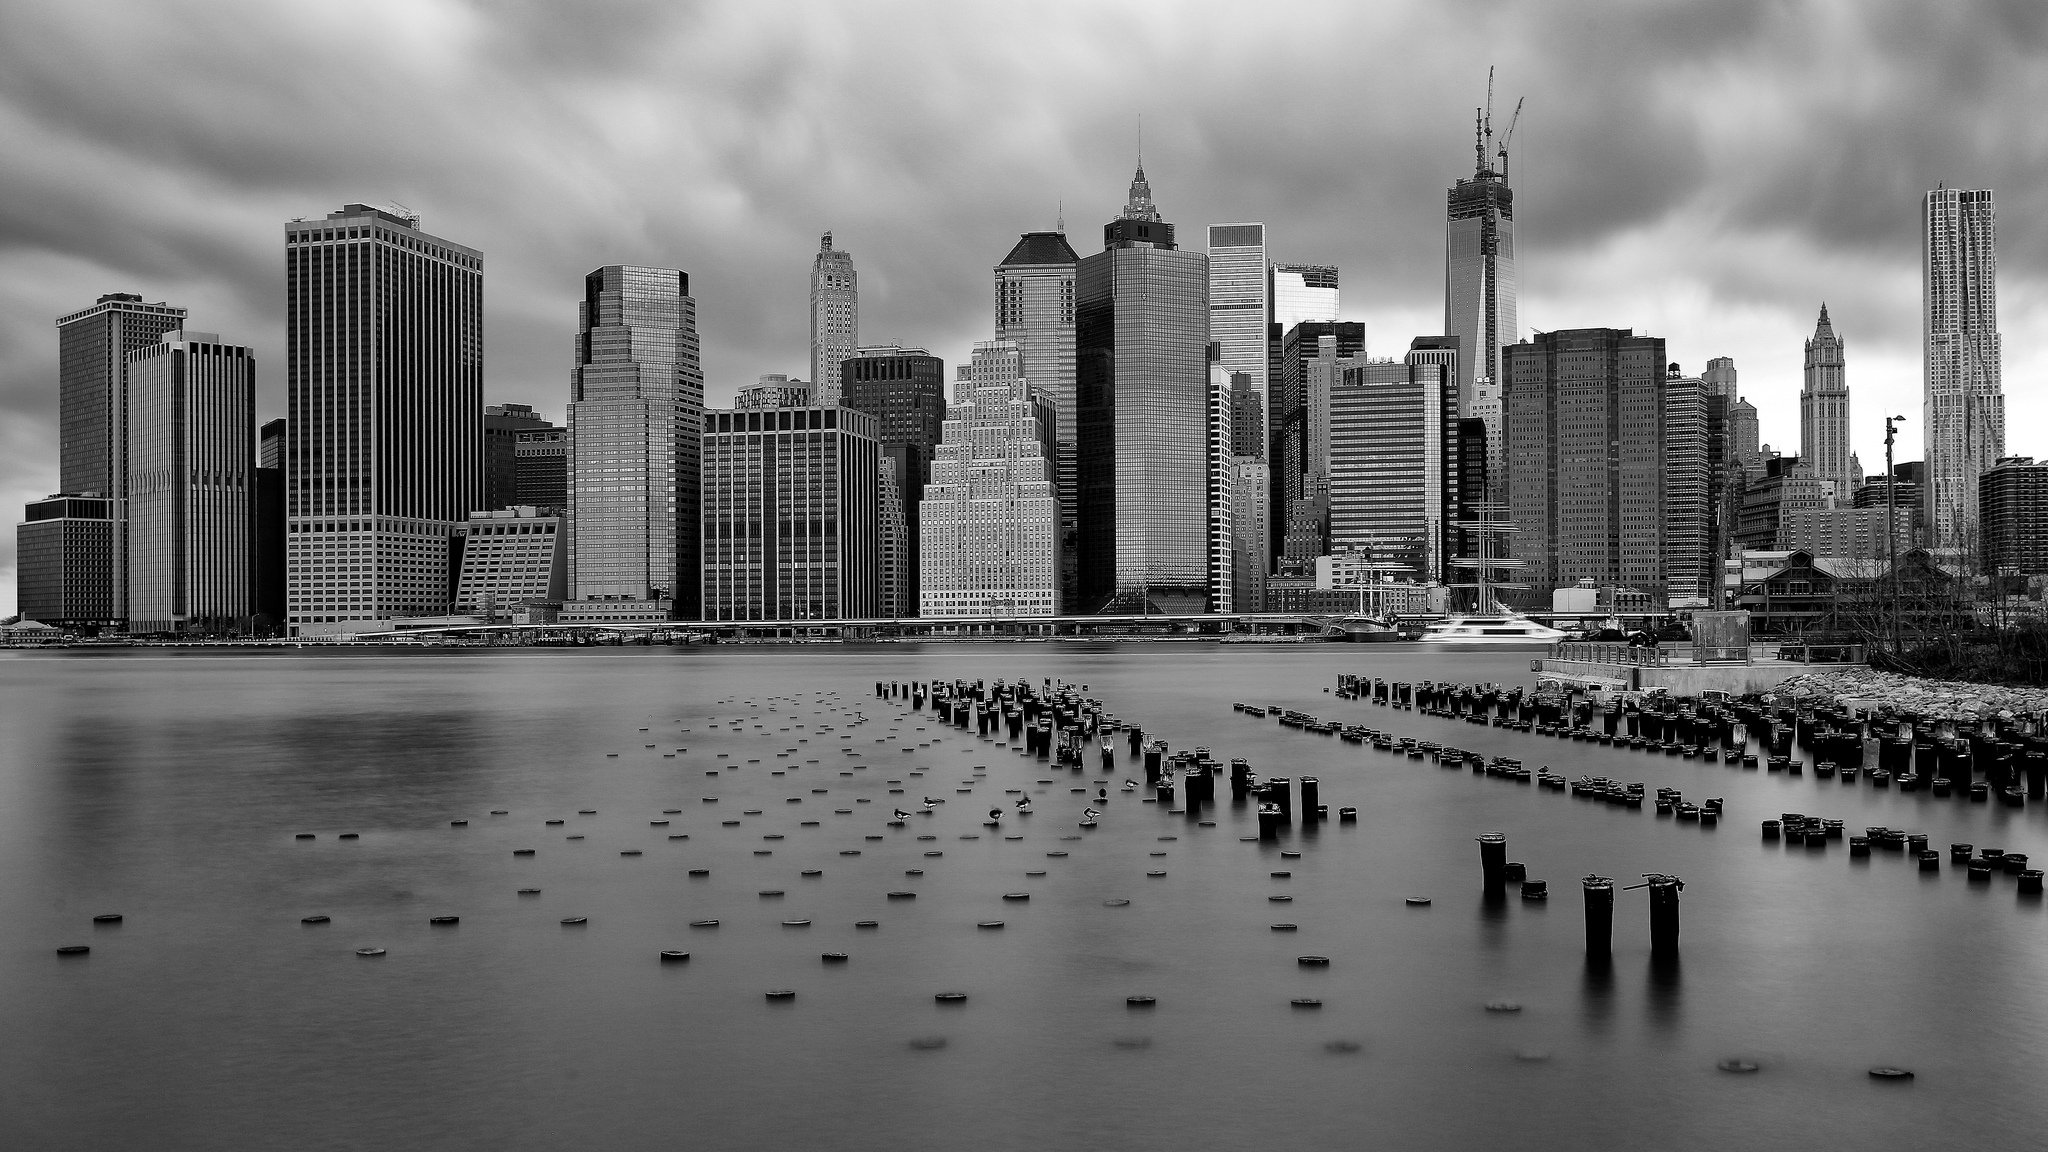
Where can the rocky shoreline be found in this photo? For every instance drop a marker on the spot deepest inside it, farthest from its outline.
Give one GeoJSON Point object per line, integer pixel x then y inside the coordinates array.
{"type": "Point", "coordinates": [1867, 688]}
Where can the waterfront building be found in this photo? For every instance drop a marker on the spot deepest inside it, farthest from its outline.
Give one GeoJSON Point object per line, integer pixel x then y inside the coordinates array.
{"type": "Point", "coordinates": [1824, 409]}
{"type": "Point", "coordinates": [2012, 503]}
{"type": "Point", "coordinates": [893, 541]}
{"type": "Point", "coordinates": [791, 518]}
{"type": "Point", "coordinates": [989, 530]}
{"type": "Point", "coordinates": [1250, 509]}
{"type": "Point", "coordinates": [540, 463]}
{"type": "Point", "coordinates": [636, 415]}
{"type": "Point", "coordinates": [835, 317]}
{"type": "Point", "coordinates": [1963, 414]}
{"type": "Point", "coordinates": [64, 561]}
{"type": "Point", "coordinates": [1591, 428]}
{"type": "Point", "coordinates": [508, 558]}
{"type": "Point", "coordinates": [1481, 289]}
{"type": "Point", "coordinates": [191, 495]}
{"type": "Point", "coordinates": [1302, 292]}
{"type": "Point", "coordinates": [93, 346]}
{"type": "Point", "coordinates": [775, 390]}
{"type": "Point", "coordinates": [1392, 465]}
{"type": "Point", "coordinates": [1857, 533]}
{"type": "Point", "coordinates": [504, 424]}
{"type": "Point", "coordinates": [1142, 406]}
{"type": "Point", "coordinates": [1035, 308]}
{"type": "Point", "coordinates": [384, 393]}
{"type": "Point", "coordinates": [1785, 486]}
{"type": "Point", "coordinates": [904, 389]}
{"type": "Point", "coordinates": [270, 528]}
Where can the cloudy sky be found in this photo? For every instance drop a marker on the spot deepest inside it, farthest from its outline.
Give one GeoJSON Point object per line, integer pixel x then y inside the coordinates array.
{"type": "Point", "coordinates": [1704, 170]}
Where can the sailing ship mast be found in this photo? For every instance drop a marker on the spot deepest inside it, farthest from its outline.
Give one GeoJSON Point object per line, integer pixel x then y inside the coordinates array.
{"type": "Point", "coordinates": [1489, 522]}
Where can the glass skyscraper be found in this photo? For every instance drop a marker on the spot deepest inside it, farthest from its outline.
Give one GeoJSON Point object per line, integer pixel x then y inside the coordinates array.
{"type": "Point", "coordinates": [1035, 309]}
{"type": "Point", "coordinates": [384, 382]}
{"type": "Point", "coordinates": [1963, 414]}
{"type": "Point", "coordinates": [904, 389]}
{"type": "Point", "coordinates": [835, 317]}
{"type": "Point", "coordinates": [1480, 291]}
{"type": "Point", "coordinates": [636, 415]}
{"type": "Point", "coordinates": [1303, 292]}
{"type": "Point", "coordinates": [1393, 460]}
{"type": "Point", "coordinates": [1240, 299]}
{"type": "Point", "coordinates": [191, 486]}
{"type": "Point", "coordinates": [93, 346]}
{"type": "Point", "coordinates": [1143, 409]}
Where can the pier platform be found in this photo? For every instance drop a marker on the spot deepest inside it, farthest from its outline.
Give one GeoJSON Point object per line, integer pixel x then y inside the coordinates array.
{"type": "Point", "coordinates": [1679, 670]}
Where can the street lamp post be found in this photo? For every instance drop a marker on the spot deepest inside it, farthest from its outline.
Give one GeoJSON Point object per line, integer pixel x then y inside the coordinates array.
{"type": "Point", "coordinates": [1891, 524]}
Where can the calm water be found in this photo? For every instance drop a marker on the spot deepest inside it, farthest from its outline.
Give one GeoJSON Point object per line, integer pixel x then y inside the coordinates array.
{"type": "Point", "coordinates": [168, 787]}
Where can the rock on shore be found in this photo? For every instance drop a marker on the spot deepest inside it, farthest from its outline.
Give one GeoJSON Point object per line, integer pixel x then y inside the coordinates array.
{"type": "Point", "coordinates": [1946, 699]}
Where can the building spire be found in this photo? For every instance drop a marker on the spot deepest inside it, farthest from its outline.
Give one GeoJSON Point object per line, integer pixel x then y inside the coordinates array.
{"type": "Point", "coordinates": [1140, 206]}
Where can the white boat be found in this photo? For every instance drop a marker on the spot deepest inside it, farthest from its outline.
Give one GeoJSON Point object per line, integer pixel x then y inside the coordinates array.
{"type": "Point", "coordinates": [1502, 627]}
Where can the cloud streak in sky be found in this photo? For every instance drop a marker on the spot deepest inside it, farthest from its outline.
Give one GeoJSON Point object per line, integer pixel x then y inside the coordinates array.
{"type": "Point", "coordinates": [1705, 172]}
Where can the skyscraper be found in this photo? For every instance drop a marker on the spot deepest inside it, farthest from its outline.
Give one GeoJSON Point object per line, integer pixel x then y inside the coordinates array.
{"type": "Point", "coordinates": [1303, 292]}
{"type": "Point", "coordinates": [93, 346]}
{"type": "Point", "coordinates": [191, 485]}
{"type": "Point", "coordinates": [1035, 308]}
{"type": "Point", "coordinates": [1142, 400]}
{"type": "Point", "coordinates": [1590, 430]}
{"type": "Point", "coordinates": [1687, 500]}
{"type": "Point", "coordinates": [1223, 550]}
{"type": "Point", "coordinates": [270, 528]}
{"type": "Point", "coordinates": [540, 469]}
{"type": "Point", "coordinates": [1393, 459]}
{"type": "Point", "coordinates": [904, 389]}
{"type": "Point", "coordinates": [1312, 355]}
{"type": "Point", "coordinates": [384, 386]}
{"type": "Point", "coordinates": [636, 417]}
{"type": "Point", "coordinates": [1963, 415]}
{"type": "Point", "coordinates": [504, 424]}
{"type": "Point", "coordinates": [835, 317]}
{"type": "Point", "coordinates": [1250, 512]}
{"type": "Point", "coordinates": [1480, 290]}
{"type": "Point", "coordinates": [1824, 410]}
{"type": "Point", "coordinates": [64, 561]}
{"type": "Point", "coordinates": [1240, 299]}
{"type": "Point", "coordinates": [989, 528]}
{"type": "Point", "coordinates": [790, 515]}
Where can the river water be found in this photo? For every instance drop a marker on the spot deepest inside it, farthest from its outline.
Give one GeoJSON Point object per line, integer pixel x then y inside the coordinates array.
{"type": "Point", "coordinates": [170, 787]}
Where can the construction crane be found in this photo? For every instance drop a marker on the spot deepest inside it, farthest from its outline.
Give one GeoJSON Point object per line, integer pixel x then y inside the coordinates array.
{"type": "Point", "coordinates": [1509, 135]}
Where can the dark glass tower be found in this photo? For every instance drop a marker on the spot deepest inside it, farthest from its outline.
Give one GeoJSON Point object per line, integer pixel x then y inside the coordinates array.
{"type": "Point", "coordinates": [1142, 406]}
{"type": "Point", "coordinates": [904, 389]}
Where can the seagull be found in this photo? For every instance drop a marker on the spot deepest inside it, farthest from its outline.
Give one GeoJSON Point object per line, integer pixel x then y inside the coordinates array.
{"type": "Point", "coordinates": [995, 813]}
{"type": "Point", "coordinates": [1090, 813]}
{"type": "Point", "coordinates": [1102, 793]}
{"type": "Point", "coordinates": [930, 803]}
{"type": "Point", "coordinates": [901, 814]}
{"type": "Point", "coordinates": [1024, 804]}
{"type": "Point", "coordinates": [1130, 785]}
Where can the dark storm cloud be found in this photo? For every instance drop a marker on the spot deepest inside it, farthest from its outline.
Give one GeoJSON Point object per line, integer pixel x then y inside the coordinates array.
{"type": "Point", "coordinates": [1715, 167]}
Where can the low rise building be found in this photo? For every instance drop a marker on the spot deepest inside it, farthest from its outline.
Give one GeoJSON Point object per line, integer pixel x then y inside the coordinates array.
{"type": "Point", "coordinates": [507, 559]}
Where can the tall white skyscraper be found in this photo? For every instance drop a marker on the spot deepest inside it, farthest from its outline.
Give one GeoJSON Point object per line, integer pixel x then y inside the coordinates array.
{"type": "Point", "coordinates": [989, 522]}
{"type": "Point", "coordinates": [1035, 308]}
{"type": "Point", "coordinates": [835, 318]}
{"type": "Point", "coordinates": [1824, 411]}
{"type": "Point", "coordinates": [1303, 292]}
{"type": "Point", "coordinates": [384, 359]}
{"type": "Point", "coordinates": [636, 418]}
{"type": "Point", "coordinates": [1963, 413]}
{"type": "Point", "coordinates": [1240, 300]}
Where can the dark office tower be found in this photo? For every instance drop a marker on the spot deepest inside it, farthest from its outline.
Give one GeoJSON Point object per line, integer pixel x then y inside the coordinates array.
{"type": "Point", "coordinates": [1247, 418]}
{"type": "Point", "coordinates": [1393, 456]}
{"type": "Point", "coordinates": [93, 346]}
{"type": "Point", "coordinates": [636, 419]}
{"type": "Point", "coordinates": [384, 388]}
{"type": "Point", "coordinates": [1035, 308]}
{"type": "Point", "coordinates": [270, 552]}
{"type": "Point", "coordinates": [1297, 433]}
{"type": "Point", "coordinates": [1589, 426]}
{"type": "Point", "coordinates": [64, 561]}
{"type": "Point", "coordinates": [191, 486]}
{"type": "Point", "coordinates": [1481, 283]}
{"type": "Point", "coordinates": [1142, 406]}
{"type": "Point", "coordinates": [2012, 504]}
{"type": "Point", "coordinates": [790, 515]}
{"type": "Point", "coordinates": [540, 469]}
{"type": "Point", "coordinates": [904, 389]}
{"type": "Point", "coordinates": [503, 425]}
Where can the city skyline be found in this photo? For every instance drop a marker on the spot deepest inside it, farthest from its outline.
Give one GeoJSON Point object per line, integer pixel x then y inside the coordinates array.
{"type": "Point", "coordinates": [176, 198]}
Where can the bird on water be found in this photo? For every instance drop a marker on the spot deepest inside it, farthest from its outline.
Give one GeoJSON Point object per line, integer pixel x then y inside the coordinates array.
{"type": "Point", "coordinates": [1090, 813]}
{"type": "Point", "coordinates": [901, 814]}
